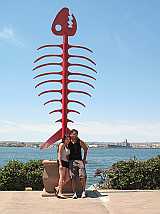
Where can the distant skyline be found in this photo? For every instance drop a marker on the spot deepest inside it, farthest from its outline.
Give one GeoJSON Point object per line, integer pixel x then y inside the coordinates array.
{"type": "Point", "coordinates": [124, 36]}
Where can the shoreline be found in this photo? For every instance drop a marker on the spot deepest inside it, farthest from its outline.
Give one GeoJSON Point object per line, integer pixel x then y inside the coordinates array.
{"type": "Point", "coordinates": [90, 147]}
{"type": "Point", "coordinates": [104, 145]}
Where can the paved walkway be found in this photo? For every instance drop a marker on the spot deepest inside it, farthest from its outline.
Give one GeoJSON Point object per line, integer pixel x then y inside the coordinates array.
{"type": "Point", "coordinates": [108, 202]}
{"type": "Point", "coordinates": [34, 203]}
{"type": "Point", "coordinates": [131, 202]}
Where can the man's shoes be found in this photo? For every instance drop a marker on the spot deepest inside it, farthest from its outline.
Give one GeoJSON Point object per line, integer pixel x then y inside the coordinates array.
{"type": "Point", "coordinates": [83, 194]}
{"type": "Point", "coordinates": [75, 196]}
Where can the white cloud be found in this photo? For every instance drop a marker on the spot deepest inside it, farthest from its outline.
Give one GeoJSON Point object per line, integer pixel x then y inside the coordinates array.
{"type": "Point", "coordinates": [20, 131]}
{"type": "Point", "coordinates": [8, 34]}
{"type": "Point", "coordinates": [89, 131]}
{"type": "Point", "coordinates": [119, 131]}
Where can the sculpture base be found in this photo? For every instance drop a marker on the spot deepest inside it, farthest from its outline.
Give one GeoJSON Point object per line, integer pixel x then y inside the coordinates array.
{"type": "Point", "coordinates": [51, 177]}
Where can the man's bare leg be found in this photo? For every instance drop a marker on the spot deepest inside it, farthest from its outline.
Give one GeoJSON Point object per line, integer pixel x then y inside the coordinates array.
{"type": "Point", "coordinates": [83, 184]}
{"type": "Point", "coordinates": [74, 187]}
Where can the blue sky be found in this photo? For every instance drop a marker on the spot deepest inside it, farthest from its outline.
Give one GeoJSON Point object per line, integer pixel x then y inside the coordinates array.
{"type": "Point", "coordinates": [124, 36]}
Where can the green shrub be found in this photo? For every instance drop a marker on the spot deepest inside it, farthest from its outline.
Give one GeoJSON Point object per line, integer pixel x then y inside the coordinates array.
{"type": "Point", "coordinates": [131, 174]}
{"type": "Point", "coordinates": [34, 171]}
{"type": "Point", "coordinates": [16, 175]}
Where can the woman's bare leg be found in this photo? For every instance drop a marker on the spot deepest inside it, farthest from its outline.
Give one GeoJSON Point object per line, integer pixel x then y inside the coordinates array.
{"type": "Point", "coordinates": [61, 179]}
{"type": "Point", "coordinates": [67, 176]}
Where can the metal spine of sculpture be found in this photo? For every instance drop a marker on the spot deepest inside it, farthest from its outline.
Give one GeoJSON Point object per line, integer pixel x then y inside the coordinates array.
{"type": "Point", "coordinates": [61, 27]}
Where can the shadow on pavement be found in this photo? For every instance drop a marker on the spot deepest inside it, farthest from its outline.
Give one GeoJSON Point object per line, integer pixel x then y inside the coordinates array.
{"type": "Point", "coordinates": [95, 194]}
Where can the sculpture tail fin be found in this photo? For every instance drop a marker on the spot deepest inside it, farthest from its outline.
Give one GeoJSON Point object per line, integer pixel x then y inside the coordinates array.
{"type": "Point", "coordinates": [53, 139]}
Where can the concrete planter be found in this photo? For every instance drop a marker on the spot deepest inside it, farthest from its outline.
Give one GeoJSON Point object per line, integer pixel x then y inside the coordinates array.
{"type": "Point", "coordinates": [51, 176]}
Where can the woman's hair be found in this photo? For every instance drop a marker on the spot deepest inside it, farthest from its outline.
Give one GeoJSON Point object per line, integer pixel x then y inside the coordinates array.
{"type": "Point", "coordinates": [63, 139]}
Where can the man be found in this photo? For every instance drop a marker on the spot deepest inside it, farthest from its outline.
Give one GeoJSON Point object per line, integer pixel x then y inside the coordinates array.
{"type": "Point", "coordinates": [77, 163]}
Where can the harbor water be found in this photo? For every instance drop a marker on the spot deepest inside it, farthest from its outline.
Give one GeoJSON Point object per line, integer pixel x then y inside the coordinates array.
{"type": "Point", "coordinates": [97, 157]}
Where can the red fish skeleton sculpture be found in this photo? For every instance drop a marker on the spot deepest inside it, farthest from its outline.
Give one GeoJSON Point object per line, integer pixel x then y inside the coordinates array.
{"type": "Point", "coordinates": [62, 27]}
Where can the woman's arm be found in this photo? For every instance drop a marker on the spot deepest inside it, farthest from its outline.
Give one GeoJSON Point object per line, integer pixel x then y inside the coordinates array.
{"type": "Point", "coordinates": [60, 150]}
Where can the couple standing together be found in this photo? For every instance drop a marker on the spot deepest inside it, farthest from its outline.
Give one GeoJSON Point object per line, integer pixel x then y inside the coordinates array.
{"type": "Point", "coordinates": [72, 164]}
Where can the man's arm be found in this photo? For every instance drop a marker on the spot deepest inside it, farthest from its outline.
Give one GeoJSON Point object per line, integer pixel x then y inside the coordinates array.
{"type": "Point", "coordinates": [85, 148]}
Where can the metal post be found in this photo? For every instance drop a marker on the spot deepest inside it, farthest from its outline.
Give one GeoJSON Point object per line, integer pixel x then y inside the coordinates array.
{"type": "Point", "coordinates": [64, 85]}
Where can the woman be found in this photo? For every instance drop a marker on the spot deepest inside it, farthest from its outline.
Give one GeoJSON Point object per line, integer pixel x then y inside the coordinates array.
{"type": "Point", "coordinates": [63, 163]}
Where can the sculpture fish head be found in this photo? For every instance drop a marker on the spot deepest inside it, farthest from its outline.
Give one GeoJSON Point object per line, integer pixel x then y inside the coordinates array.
{"type": "Point", "coordinates": [64, 23]}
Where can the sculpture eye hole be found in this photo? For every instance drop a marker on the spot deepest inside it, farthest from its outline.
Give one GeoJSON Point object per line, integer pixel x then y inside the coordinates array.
{"type": "Point", "coordinates": [58, 27]}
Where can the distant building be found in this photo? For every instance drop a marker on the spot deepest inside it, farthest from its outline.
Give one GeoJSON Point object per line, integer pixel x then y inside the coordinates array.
{"type": "Point", "coordinates": [124, 144]}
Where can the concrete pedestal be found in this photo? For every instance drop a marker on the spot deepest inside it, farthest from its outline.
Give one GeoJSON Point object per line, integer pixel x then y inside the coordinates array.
{"type": "Point", "coordinates": [51, 177]}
